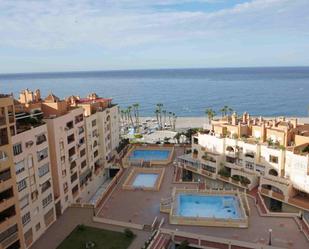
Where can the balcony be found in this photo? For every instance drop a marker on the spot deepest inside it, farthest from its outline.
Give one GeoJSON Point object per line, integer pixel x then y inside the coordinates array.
{"type": "Point", "coordinates": [41, 139]}
{"type": "Point", "coordinates": [9, 240]}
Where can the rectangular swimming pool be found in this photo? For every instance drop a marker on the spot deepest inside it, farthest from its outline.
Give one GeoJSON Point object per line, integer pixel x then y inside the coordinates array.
{"type": "Point", "coordinates": [145, 180]}
{"type": "Point", "coordinates": [150, 155]}
{"type": "Point", "coordinates": [208, 206]}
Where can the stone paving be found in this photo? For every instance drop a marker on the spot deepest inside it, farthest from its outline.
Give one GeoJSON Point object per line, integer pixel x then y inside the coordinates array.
{"type": "Point", "coordinates": [143, 206]}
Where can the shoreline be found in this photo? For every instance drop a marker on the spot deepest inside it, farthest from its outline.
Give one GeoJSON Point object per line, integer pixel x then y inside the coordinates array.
{"type": "Point", "coordinates": [198, 122]}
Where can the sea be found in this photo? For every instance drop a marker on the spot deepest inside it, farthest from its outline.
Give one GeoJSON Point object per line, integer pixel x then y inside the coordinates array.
{"type": "Point", "coordinates": [186, 92]}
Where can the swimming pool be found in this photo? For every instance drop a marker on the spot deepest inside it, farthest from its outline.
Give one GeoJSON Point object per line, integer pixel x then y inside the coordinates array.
{"type": "Point", "coordinates": [145, 180]}
{"type": "Point", "coordinates": [208, 206]}
{"type": "Point", "coordinates": [150, 155]}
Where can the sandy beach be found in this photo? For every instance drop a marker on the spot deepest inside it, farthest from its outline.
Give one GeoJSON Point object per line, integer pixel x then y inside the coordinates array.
{"type": "Point", "coordinates": [198, 122]}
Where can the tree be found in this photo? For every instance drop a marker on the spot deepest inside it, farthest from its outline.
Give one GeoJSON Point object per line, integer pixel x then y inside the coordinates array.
{"type": "Point", "coordinates": [136, 115]}
{"type": "Point", "coordinates": [157, 115]}
{"type": "Point", "coordinates": [174, 121]}
{"type": "Point", "coordinates": [159, 108]}
{"type": "Point", "coordinates": [230, 110]}
{"type": "Point", "coordinates": [178, 136]}
{"type": "Point", "coordinates": [210, 114]}
{"type": "Point", "coordinates": [170, 118]}
{"type": "Point", "coordinates": [129, 113]}
{"type": "Point", "coordinates": [164, 118]}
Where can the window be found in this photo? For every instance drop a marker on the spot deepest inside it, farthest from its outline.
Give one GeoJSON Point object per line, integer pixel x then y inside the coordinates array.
{"type": "Point", "coordinates": [80, 130]}
{"type": "Point", "coordinates": [41, 139]}
{"type": "Point", "coordinates": [34, 195]}
{"type": "Point", "coordinates": [26, 218]}
{"type": "Point", "coordinates": [17, 149]}
{"type": "Point", "coordinates": [95, 154]}
{"type": "Point", "coordinates": [94, 123]}
{"type": "Point", "coordinates": [3, 156]}
{"type": "Point", "coordinates": [273, 159]}
{"type": "Point", "coordinates": [7, 213]}
{"type": "Point", "coordinates": [42, 154]}
{"type": "Point", "coordinates": [24, 202]}
{"type": "Point", "coordinates": [95, 144]}
{"type": "Point", "coordinates": [73, 177]}
{"type": "Point", "coordinates": [65, 187]}
{"type": "Point", "coordinates": [8, 233]}
{"type": "Point", "coordinates": [71, 151]}
{"type": "Point", "coordinates": [47, 200]}
{"type": "Point", "coordinates": [5, 175]}
{"type": "Point", "coordinates": [73, 165]}
{"type": "Point", "coordinates": [6, 194]}
{"type": "Point", "coordinates": [45, 186]}
{"type": "Point", "coordinates": [21, 185]}
{"type": "Point", "coordinates": [70, 139]}
{"type": "Point", "coordinates": [81, 141]}
{"type": "Point", "coordinates": [95, 133]}
{"type": "Point", "coordinates": [79, 118]}
{"type": "Point", "coordinates": [83, 164]}
{"type": "Point", "coordinates": [43, 170]}
{"type": "Point", "coordinates": [249, 165]}
{"type": "Point", "coordinates": [69, 125]}
{"type": "Point", "coordinates": [4, 139]}
{"type": "Point", "coordinates": [82, 152]}
{"type": "Point", "coordinates": [38, 226]}
{"type": "Point", "coordinates": [2, 116]}
{"type": "Point", "coordinates": [19, 167]}
{"type": "Point", "coordinates": [75, 190]}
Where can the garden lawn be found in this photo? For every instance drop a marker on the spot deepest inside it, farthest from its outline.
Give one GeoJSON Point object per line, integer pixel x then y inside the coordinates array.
{"type": "Point", "coordinates": [103, 239]}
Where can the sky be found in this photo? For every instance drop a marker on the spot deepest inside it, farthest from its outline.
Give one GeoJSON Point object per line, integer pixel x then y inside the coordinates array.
{"type": "Point", "coordinates": [83, 35]}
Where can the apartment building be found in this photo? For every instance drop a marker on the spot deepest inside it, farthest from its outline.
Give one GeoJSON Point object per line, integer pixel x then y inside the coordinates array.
{"type": "Point", "coordinates": [33, 176]}
{"type": "Point", "coordinates": [272, 155]}
{"type": "Point", "coordinates": [102, 137]}
{"type": "Point", "coordinates": [11, 233]}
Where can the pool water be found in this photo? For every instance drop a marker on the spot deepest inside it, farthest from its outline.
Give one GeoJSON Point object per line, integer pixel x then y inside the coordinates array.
{"type": "Point", "coordinates": [150, 155]}
{"type": "Point", "coordinates": [145, 180]}
{"type": "Point", "coordinates": [221, 207]}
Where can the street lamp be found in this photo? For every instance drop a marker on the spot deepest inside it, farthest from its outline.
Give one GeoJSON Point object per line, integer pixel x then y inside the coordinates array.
{"type": "Point", "coordinates": [269, 239]}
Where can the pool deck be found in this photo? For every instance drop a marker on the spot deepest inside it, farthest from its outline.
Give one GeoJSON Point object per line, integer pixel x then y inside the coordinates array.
{"type": "Point", "coordinates": [142, 207]}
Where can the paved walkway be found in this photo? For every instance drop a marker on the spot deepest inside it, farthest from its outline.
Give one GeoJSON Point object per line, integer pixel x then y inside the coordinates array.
{"type": "Point", "coordinates": [73, 217]}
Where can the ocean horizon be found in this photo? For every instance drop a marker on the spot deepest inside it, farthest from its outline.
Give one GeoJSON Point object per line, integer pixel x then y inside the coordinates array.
{"type": "Point", "coordinates": [267, 91]}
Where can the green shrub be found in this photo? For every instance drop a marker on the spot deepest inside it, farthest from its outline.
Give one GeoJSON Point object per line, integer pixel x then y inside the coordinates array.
{"type": "Point", "coordinates": [184, 245]}
{"type": "Point", "coordinates": [138, 135]}
{"type": "Point", "coordinates": [224, 172]}
{"type": "Point", "coordinates": [81, 227]}
{"type": "Point", "coordinates": [128, 233]}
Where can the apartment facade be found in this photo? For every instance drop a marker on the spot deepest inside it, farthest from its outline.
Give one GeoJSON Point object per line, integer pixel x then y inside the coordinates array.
{"type": "Point", "coordinates": [34, 181]}
{"type": "Point", "coordinates": [11, 235]}
{"type": "Point", "coordinates": [102, 138]}
{"type": "Point", "coordinates": [252, 152]}
{"type": "Point", "coordinates": [67, 146]}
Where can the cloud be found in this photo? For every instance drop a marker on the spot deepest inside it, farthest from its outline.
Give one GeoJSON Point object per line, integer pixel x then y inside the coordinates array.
{"type": "Point", "coordinates": [112, 24]}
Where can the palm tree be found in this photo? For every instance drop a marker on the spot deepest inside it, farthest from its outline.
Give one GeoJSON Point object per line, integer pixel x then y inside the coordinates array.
{"type": "Point", "coordinates": [210, 114]}
{"type": "Point", "coordinates": [129, 113]}
{"type": "Point", "coordinates": [136, 114]}
{"type": "Point", "coordinates": [230, 110]}
{"type": "Point", "coordinates": [169, 118]}
{"type": "Point", "coordinates": [174, 121]}
{"type": "Point", "coordinates": [157, 115]}
{"type": "Point", "coordinates": [178, 136]}
{"type": "Point", "coordinates": [164, 118]}
{"type": "Point", "coordinates": [159, 108]}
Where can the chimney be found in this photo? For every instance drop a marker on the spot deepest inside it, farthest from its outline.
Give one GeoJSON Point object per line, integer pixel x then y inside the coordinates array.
{"type": "Point", "coordinates": [294, 122]}
{"type": "Point", "coordinates": [234, 118]}
{"type": "Point", "coordinates": [244, 117]}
